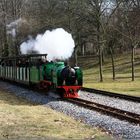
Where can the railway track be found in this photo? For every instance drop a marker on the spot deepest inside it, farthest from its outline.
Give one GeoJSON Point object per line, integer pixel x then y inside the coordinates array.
{"type": "Point", "coordinates": [111, 94]}
{"type": "Point", "coordinates": [111, 111]}
{"type": "Point", "coordinates": [117, 113]}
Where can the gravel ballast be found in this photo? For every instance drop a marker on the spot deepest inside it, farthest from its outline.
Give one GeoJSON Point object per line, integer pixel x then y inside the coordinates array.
{"type": "Point", "coordinates": [119, 129]}
{"type": "Point", "coordinates": [110, 101]}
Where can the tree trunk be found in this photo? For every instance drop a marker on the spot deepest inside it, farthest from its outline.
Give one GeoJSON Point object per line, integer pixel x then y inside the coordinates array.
{"type": "Point", "coordinates": [75, 56]}
{"type": "Point", "coordinates": [113, 65]}
{"type": "Point", "coordinates": [83, 49]}
{"type": "Point", "coordinates": [100, 54]}
{"type": "Point", "coordinates": [16, 48]}
{"type": "Point", "coordinates": [100, 64]}
{"type": "Point", "coordinates": [103, 60]}
{"type": "Point", "coordinates": [6, 49]}
{"type": "Point", "coordinates": [76, 49]}
{"type": "Point", "coordinates": [132, 62]}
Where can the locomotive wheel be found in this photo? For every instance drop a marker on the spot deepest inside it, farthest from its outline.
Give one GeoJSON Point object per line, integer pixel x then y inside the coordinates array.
{"type": "Point", "coordinates": [43, 85]}
{"type": "Point", "coordinates": [39, 86]}
{"type": "Point", "coordinates": [61, 92]}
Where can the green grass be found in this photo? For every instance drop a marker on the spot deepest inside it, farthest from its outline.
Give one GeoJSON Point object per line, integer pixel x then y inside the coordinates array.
{"type": "Point", "coordinates": [20, 119]}
{"type": "Point", "coordinates": [123, 83]}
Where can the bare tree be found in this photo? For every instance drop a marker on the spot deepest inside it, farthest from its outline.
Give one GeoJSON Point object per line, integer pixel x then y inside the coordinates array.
{"type": "Point", "coordinates": [100, 12]}
{"type": "Point", "coordinates": [130, 23]}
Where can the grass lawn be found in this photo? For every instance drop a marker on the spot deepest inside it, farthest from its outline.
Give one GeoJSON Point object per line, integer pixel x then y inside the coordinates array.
{"type": "Point", "coordinates": [21, 119]}
{"type": "Point", "coordinates": [122, 84]}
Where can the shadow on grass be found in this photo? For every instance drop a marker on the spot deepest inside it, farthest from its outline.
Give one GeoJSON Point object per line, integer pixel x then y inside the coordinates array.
{"type": "Point", "coordinates": [126, 77]}
{"type": "Point", "coordinates": [121, 64]}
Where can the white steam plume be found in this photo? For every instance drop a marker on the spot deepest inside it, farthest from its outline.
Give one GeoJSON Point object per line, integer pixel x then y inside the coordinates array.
{"type": "Point", "coordinates": [58, 44]}
{"type": "Point", "coordinates": [15, 23]}
{"type": "Point", "coordinates": [13, 26]}
{"type": "Point", "coordinates": [12, 32]}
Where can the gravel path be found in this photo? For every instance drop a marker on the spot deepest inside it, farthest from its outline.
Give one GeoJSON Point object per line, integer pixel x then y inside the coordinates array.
{"type": "Point", "coordinates": [119, 129]}
{"type": "Point", "coordinates": [110, 101]}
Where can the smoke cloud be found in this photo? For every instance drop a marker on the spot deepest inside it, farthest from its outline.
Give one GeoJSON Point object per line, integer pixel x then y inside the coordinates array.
{"type": "Point", "coordinates": [12, 28]}
{"type": "Point", "coordinates": [15, 23]}
{"type": "Point", "coordinates": [58, 44]}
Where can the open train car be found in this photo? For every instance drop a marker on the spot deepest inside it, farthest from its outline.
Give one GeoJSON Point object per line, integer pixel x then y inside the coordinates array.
{"type": "Point", "coordinates": [34, 70]}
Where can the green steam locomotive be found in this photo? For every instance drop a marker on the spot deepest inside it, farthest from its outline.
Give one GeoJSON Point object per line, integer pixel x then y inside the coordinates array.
{"type": "Point", "coordinates": [35, 70]}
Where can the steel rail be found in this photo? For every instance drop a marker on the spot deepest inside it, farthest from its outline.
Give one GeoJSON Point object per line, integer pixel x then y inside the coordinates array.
{"type": "Point", "coordinates": [112, 94]}
{"type": "Point", "coordinates": [111, 111]}
{"type": "Point", "coordinates": [117, 113]}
